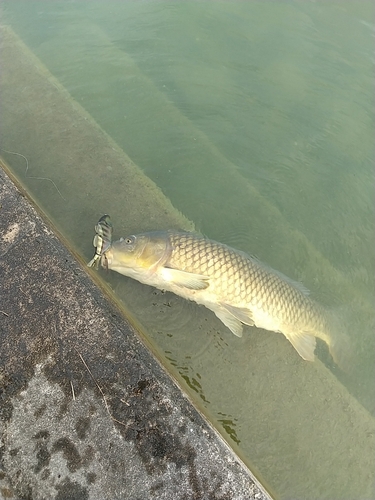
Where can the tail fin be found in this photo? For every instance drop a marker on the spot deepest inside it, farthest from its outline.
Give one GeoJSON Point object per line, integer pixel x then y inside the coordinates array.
{"type": "Point", "coordinates": [339, 344]}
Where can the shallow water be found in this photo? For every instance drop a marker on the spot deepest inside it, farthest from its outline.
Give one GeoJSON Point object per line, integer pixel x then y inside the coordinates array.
{"type": "Point", "coordinates": [255, 120]}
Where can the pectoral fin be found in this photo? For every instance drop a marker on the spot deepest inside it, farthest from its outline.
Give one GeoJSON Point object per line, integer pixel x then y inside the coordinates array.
{"type": "Point", "coordinates": [185, 279]}
{"type": "Point", "coordinates": [304, 343]}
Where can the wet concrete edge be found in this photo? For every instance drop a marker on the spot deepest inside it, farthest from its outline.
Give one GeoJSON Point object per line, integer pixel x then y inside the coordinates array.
{"type": "Point", "coordinates": [86, 411]}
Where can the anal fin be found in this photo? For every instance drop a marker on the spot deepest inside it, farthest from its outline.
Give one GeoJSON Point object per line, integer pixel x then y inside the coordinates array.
{"type": "Point", "coordinates": [304, 343]}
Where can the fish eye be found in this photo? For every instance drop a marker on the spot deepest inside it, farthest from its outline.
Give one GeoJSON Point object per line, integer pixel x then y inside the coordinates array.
{"type": "Point", "coordinates": [129, 240]}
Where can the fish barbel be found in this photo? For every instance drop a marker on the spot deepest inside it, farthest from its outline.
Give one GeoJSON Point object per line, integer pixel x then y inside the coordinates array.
{"type": "Point", "coordinates": [238, 288]}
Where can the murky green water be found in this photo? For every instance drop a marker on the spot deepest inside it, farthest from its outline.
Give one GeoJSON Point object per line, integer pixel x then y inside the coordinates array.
{"type": "Point", "coordinates": [256, 121]}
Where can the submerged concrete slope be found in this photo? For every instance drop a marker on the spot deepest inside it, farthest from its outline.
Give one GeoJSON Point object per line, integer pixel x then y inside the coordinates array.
{"type": "Point", "coordinates": [86, 411]}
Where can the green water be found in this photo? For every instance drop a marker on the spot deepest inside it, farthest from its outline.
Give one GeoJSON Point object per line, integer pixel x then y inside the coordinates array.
{"type": "Point", "coordinates": [256, 120]}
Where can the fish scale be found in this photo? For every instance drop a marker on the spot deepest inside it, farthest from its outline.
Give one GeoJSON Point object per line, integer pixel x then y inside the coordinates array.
{"type": "Point", "coordinates": [235, 274]}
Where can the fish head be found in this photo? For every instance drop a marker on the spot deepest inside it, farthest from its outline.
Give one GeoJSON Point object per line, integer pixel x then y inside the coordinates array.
{"type": "Point", "coordinates": [137, 255]}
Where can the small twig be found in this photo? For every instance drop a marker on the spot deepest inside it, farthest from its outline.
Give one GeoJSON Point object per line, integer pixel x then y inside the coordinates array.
{"type": "Point", "coordinates": [100, 390]}
{"type": "Point", "coordinates": [32, 176]}
{"type": "Point", "coordinates": [5, 314]}
{"type": "Point", "coordinates": [73, 393]}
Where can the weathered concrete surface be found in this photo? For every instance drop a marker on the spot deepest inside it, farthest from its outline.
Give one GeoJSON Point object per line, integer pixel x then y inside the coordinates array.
{"type": "Point", "coordinates": [86, 411]}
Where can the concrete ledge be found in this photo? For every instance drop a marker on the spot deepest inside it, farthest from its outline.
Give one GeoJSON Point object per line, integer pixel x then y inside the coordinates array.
{"type": "Point", "coordinates": [86, 411]}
